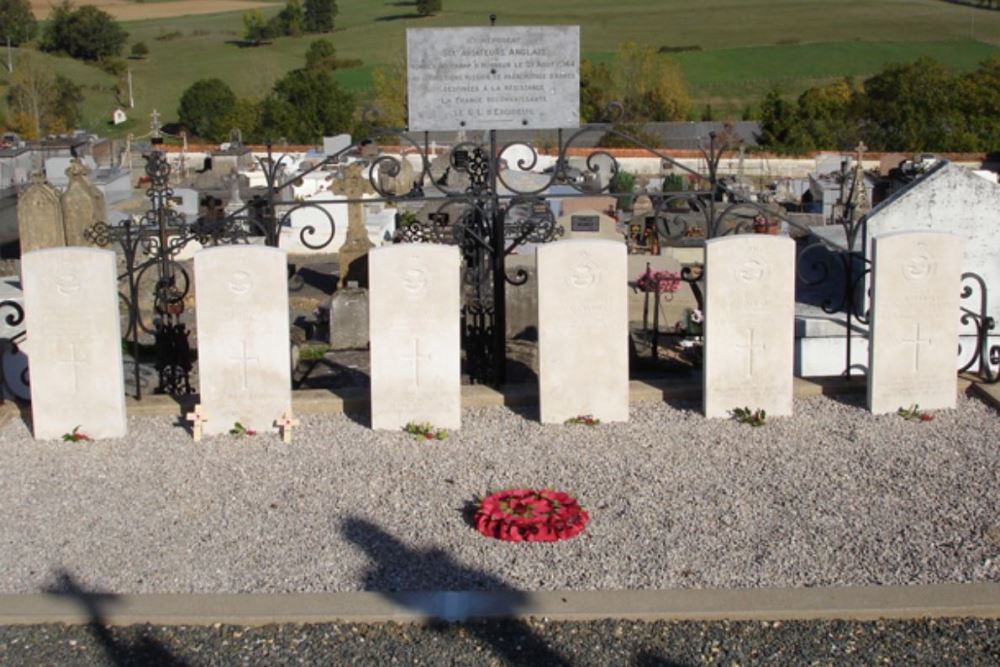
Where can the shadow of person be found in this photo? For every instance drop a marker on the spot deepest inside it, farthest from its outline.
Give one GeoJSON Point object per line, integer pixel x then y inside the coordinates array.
{"type": "Point", "coordinates": [120, 652]}
{"type": "Point", "coordinates": [398, 572]}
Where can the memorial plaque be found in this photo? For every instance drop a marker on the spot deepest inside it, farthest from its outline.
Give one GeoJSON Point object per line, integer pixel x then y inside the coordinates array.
{"type": "Point", "coordinates": [585, 223]}
{"type": "Point", "coordinates": [916, 288]}
{"type": "Point", "coordinates": [493, 78]}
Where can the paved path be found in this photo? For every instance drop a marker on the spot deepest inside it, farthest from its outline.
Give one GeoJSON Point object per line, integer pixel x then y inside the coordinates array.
{"type": "Point", "coordinates": [941, 642]}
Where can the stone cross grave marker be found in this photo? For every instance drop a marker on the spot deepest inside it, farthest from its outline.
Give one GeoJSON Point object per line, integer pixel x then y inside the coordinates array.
{"type": "Point", "coordinates": [39, 217]}
{"type": "Point", "coordinates": [582, 330]}
{"type": "Point", "coordinates": [414, 306]}
{"type": "Point", "coordinates": [916, 287]}
{"type": "Point", "coordinates": [243, 344]}
{"type": "Point", "coordinates": [749, 324]}
{"type": "Point", "coordinates": [74, 342]}
{"type": "Point", "coordinates": [353, 256]}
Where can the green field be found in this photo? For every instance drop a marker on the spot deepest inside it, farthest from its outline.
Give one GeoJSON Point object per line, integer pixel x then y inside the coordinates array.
{"type": "Point", "coordinates": [746, 47]}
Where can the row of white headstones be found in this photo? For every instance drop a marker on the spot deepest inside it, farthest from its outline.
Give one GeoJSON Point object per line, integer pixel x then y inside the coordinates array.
{"type": "Point", "coordinates": [75, 353]}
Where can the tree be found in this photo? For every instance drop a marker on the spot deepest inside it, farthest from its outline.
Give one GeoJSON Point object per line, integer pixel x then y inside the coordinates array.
{"type": "Point", "coordinates": [321, 55]}
{"type": "Point", "coordinates": [651, 86]}
{"type": "Point", "coordinates": [778, 130]}
{"type": "Point", "coordinates": [87, 33]}
{"type": "Point", "coordinates": [978, 93]}
{"type": "Point", "coordinates": [319, 15]}
{"type": "Point", "coordinates": [305, 105]}
{"type": "Point", "coordinates": [140, 50]}
{"type": "Point", "coordinates": [389, 99]}
{"type": "Point", "coordinates": [204, 106]}
{"type": "Point", "coordinates": [17, 21]}
{"type": "Point", "coordinates": [912, 107]}
{"type": "Point", "coordinates": [255, 28]}
{"type": "Point", "coordinates": [290, 21]}
{"type": "Point", "coordinates": [42, 103]}
{"type": "Point", "coordinates": [428, 7]}
{"type": "Point", "coordinates": [829, 117]}
{"type": "Point", "coordinates": [596, 90]}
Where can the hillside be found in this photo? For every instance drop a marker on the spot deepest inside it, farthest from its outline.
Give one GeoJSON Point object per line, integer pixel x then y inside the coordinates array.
{"type": "Point", "coordinates": [743, 49]}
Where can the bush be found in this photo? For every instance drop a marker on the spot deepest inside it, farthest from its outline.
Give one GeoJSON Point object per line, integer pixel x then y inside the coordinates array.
{"type": "Point", "coordinates": [113, 66]}
{"type": "Point", "coordinates": [319, 15]}
{"type": "Point", "coordinates": [140, 50]}
{"type": "Point", "coordinates": [87, 33]}
{"type": "Point", "coordinates": [428, 7]}
{"type": "Point", "coordinates": [204, 106]}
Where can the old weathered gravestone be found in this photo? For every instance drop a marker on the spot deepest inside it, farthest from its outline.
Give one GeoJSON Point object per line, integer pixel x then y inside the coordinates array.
{"type": "Point", "coordinates": [414, 307]}
{"type": "Point", "coordinates": [243, 349]}
{"type": "Point", "coordinates": [400, 183]}
{"type": "Point", "coordinates": [39, 217]}
{"type": "Point", "coordinates": [82, 205]}
{"type": "Point", "coordinates": [582, 330]}
{"type": "Point", "coordinates": [749, 324]}
{"type": "Point", "coordinates": [916, 284]}
{"type": "Point", "coordinates": [349, 318]}
{"type": "Point", "coordinates": [353, 256]}
{"type": "Point", "coordinates": [74, 342]}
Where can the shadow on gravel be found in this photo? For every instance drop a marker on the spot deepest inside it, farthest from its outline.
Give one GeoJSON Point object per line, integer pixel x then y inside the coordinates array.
{"type": "Point", "coordinates": [644, 659]}
{"type": "Point", "coordinates": [397, 571]}
{"type": "Point", "coordinates": [120, 652]}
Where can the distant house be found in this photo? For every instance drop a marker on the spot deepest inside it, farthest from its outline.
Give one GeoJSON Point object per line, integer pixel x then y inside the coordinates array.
{"type": "Point", "coordinates": [118, 116]}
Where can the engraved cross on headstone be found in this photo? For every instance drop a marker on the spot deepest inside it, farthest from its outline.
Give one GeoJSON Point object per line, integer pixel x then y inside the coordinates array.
{"type": "Point", "coordinates": [353, 254]}
{"type": "Point", "coordinates": [416, 357]}
{"type": "Point", "coordinates": [73, 362]}
{"type": "Point", "coordinates": [244, 358]}
{"type": "Point", "coordinates": [916, 341]}
{"type": "Point", "coordinates": [750, 347]}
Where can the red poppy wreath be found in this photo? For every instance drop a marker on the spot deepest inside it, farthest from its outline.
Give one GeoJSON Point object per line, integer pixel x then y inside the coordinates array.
{"type": "Point", "coordinates": [530, 515]}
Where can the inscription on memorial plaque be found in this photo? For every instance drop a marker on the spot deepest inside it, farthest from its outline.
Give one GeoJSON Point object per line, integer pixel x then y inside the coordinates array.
{"type": "Point", "coordinates": [585, 223]}
{"type": "Point", "coordinates": [493, 78]}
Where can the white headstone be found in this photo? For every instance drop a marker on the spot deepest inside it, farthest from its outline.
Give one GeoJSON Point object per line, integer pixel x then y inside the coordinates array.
{"type": "Point", "coordinates": [749, 324]}
{"type": "Point", "coordinates": [582, 330]}
{"type": "Point", "coordinates": [243, 344]}
{"type": "Point", "coordinates": [74, 342]}
{"type": "Point", "coordinates": [414, 305]}
{"type": "Point", "coordinates": [915, 312]}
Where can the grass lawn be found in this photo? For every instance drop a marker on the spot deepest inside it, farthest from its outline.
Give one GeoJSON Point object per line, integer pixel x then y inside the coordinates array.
{"type": "Point", "coordinates": [747, 47]}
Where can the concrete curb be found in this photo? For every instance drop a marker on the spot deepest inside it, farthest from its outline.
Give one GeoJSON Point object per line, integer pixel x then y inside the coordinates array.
{"type": "Point", "coordinates": [980, 600]}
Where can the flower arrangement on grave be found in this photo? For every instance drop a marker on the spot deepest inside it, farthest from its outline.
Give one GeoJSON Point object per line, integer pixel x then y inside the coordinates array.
{"type": "Point", "coordinates": [914, 414]}
{"type": "Point", "coordinates": [748, 416]}
{"type": "Point", "coordinates": [530, 515]}
{"type": "Point", "coordinates": [425, 431]}
{"type": "Point", "coordinates": [76, 435]}
{"type": "Point", "coordinates": [584, 420]}
{"type": "Point", "coordinates": [667, 281]}
{"type": "Point", "coordinates": [239, 430]}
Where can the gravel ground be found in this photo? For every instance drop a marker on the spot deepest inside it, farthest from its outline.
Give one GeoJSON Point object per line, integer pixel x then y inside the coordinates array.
{"type": "Point", "coordinates": [965, 642]}
{"type": "Point", "coordinates": [833, 496]}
